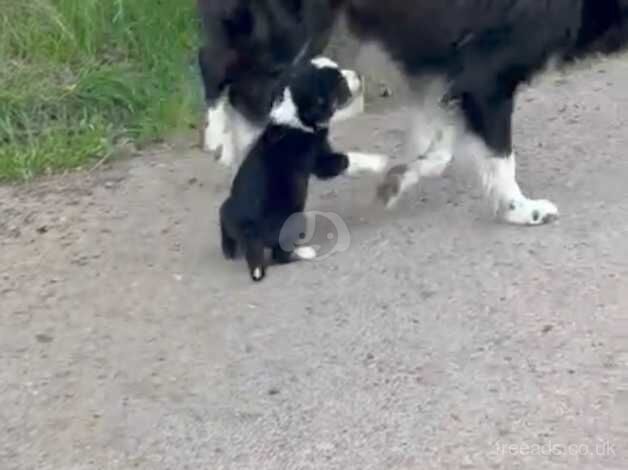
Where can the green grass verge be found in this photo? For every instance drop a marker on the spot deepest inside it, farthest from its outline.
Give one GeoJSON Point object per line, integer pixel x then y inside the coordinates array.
{"type": "Point", "coordinates": [78, 76]}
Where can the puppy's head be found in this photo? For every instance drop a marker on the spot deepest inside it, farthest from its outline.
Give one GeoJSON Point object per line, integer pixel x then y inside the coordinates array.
{"type": "Point", "coordinates": [318, 93]}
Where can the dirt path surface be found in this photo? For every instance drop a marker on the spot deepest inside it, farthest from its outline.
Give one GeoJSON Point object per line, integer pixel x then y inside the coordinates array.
{"type": "Point", "coordinates": [439, 340]}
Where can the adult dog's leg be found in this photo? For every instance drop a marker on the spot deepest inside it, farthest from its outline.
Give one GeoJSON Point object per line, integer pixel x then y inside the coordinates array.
{"type": "Point", "coordinates": [228, 242]}
{"type": "Point", "coordinates": [490, 118]}
{"type": "Point", "coordinates": [215, 128]}
{"type": "Point", "coordinates": [429, 147]}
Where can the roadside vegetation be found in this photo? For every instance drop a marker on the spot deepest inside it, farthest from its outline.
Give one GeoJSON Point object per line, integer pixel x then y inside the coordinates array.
{"type": "Point", "coordinates": [80, 77]}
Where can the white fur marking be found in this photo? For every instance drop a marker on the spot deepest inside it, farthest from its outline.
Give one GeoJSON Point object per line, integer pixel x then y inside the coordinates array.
{"type": "Point", "coordinates": [366, 162]}
{"type": "Point", "coordinates": [214, 134]}
{"type": "Point", "coordinates": [353, 81]}
{"type": "Point", "coordinates": [434, 163]}
{"type": "Point", "coordinates": [306, 253]}
{"type": "Point", "coordinates": [324, 62]}
{"type": "Point", "coordinates": [285, 113]}
{"type": "Point", "coordinates": [257, 274]}
{"type": "Point", "coordinates": [501, 186]}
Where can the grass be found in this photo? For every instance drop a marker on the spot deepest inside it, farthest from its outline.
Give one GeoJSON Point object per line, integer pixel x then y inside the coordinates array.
{"type": "Point", "coordinates": [79, 76]}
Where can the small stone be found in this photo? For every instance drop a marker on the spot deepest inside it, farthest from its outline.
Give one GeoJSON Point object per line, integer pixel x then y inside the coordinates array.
{"type": "Point", "coordinates": [44, 338]}
{"type": "Point", "coordinates": [547, 328]}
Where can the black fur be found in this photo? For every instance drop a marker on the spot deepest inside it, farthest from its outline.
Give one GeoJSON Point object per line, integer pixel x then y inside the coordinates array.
{"type": "Point", "coordinates": [271, 185]}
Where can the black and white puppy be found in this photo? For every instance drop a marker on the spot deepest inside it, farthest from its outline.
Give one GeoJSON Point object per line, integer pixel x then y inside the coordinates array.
{"type": "Point", "coordinates": [271, 185]}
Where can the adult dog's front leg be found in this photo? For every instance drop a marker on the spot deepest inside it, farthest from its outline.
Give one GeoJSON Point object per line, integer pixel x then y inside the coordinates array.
{"type": "Point", "coordinates": [215, 132]}
{"type": "Point", "coordinates": [491, 121]}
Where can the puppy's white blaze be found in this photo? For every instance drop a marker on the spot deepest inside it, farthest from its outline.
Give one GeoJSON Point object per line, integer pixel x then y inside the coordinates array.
{"type": "Point", "coordinates": [353, 81]}
{"type": "Point", "coordinates": [285, 113]}
{"type": "Point", "coordinates": [306, 253]}
{"type": "Point", "coordinates": [366, 162]}
{"type": "Point", "coordinates": [501, 186]}
{"type": "Point", "coordinates": [356, 107]}
{"type": "Point", "coordinates": [324, 62]}
{"type": "Point", "coordinates": [257, 274]}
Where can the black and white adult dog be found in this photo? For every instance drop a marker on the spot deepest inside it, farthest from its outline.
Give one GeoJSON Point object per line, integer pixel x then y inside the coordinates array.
{"type": "Point", "coordinates": [477, 52]}
{"type": "Point", "coordinates": [268, 195]}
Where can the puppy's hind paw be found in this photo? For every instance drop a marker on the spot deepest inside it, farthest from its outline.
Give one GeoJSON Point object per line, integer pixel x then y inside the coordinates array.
{"type": "Point", "coordinates": [306, 253]}
{"type": "Point", "coordinates": [258, 273]}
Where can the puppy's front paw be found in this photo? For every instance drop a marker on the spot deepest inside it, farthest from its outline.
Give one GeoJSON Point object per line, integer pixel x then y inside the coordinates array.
{"type": "Point", "coordinates": [369, 162]}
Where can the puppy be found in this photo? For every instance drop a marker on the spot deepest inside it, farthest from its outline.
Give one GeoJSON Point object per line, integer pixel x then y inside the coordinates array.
{"type": "Point", "coordinates": [271, 186]}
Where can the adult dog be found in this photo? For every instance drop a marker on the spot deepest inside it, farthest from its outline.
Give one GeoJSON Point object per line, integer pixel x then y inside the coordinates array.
{"type": "Point", "coordinates": [478, 52]}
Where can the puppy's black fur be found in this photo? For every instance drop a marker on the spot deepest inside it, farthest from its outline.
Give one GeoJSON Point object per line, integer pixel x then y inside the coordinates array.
{"type": "Point", "coordinates": [272, 182]}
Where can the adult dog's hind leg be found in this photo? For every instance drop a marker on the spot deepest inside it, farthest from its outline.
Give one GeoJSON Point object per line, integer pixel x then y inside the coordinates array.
{"type": "Point", "coordinates": [490, 119]}
{"type": "Point", "coordinates": [430, 145]}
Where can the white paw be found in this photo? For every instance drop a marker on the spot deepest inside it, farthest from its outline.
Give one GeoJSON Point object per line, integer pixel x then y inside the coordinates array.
{"type": "Point", "coordinates": [371, 162]}
{"type": "Point", "coordinates": [258, 274]}
{"type": "Point", "coordinates": [306, 253]}
{"type": "Point", "coordinates": [530, 212]}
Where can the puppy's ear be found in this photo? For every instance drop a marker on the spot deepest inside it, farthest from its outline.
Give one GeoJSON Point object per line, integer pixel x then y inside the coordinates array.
{"type": "Point", "coordinates": [239, 23]}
